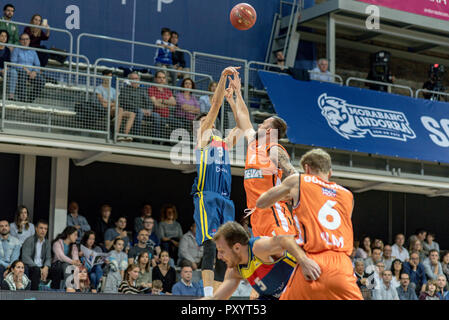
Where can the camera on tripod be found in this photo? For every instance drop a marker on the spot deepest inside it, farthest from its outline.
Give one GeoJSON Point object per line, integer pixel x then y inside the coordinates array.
{"type": "Point", "coordinates": [380, 70]}
{"type": "Point", "coordinates": [435, 82]}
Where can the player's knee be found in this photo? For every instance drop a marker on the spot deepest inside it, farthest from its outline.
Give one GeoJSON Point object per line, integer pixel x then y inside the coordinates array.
{"type": "Point", "coordinates": [208, 255]}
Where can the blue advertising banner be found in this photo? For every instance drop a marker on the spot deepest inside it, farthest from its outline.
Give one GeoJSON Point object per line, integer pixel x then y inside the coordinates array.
{"type": "Point", "coordinates": [353, 119]}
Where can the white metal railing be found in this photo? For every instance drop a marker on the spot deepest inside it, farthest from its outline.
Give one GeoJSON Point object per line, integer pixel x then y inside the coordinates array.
{"type": "Point", "coordinates": [432, 93]}
{"type": "Point", "coordinates": [380, 83]}
{"type": "Point", "coordinates": [322, 75]}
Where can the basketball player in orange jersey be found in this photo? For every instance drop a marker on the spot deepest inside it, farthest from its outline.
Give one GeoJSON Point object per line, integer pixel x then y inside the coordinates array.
{"type": "Point", "coordinates": [266, 162]}
{"type": "Point", "coordinates": [322, 211]}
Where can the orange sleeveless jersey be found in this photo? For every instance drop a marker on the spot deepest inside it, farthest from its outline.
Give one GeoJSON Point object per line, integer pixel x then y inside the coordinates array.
{"type": "Point", "coordinates": [323, 216]}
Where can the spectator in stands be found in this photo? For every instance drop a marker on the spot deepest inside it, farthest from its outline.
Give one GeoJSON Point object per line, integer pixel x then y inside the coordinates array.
{"type": "Point", "coordinates": [377, 243]}
{"type": "Point", "coordinates": [179, 62]}
{"type": "Point", "coordinates": [11, 28]}
{"type": "Point", "coordinates": [164, 54]}
{"type": "Point", "coordinates": [321, 72]}
{"type": "Point", "coordinates": [396, 269]}
{"type": "Point", "coordinates": [105, 92]}
{"type": "Point", "coordinates": [416, 271]}
{"type": "Point", "coordinates": [95, 272]}
{"type": "Point", "coordinates": [153, 240]}
{"type": "Point", "coordinates": [147, 211]}
{"type": "Point", "coordinates": [162, 98]}
{"type": "Point", "coordinates": [419, 234]}
{"type": "Point", "coordinates": [157, 288]}
{"type": "Point", "coordinates": [145, 276]}
{"type": "Point", "coordinates": [165, 273]}
{"type": "Point", "coordinates": [388, 259]}
{"type": "Point", "coordinates": [189, 249]}
{"type": "Point", "coordinates": [430, 291]}
{"type": "Point", "coordinates": [37, 35]}
{"type": "Point", "coordinates": [65, 254]}
{"type": "Point", "coordinates": [376, 256]}
{"type": "Point", "coordinates": [83, 283]}
{"type": "Point", "coordinates": [118, 232]}
{"type": "Point", "coordinates": [20, 76]}
{"type": "Point", "coordinates": [404, 290]}
{"type": "Point", "coordinates": [398, 249]}
{"type": "Point", "coordinates": [433, 266]}
{"type": "Point", "coordinates": [139, 247]}
{"type": "Point", "coordinates": [376, 277]}
{"type": "Point", "coordinates": [22, 228]}
{"type": "Point", "coordinates": [386, 291]}
{"type": "Point", "coordinates": [445, 264]}
{"type": "Point", "coordinates": [103, 223]}
{"type": "Point", "coordinates": [362, 278]}
{"type": "Point", "coordinates": [416, 246]}
{"type": "Point", "coordinates": [188, 107]}
{"type": "Point", "coordinates": [133, 98]}
{"type": "Point", "coordinates": [429, 243]}
{"type": "Point", "coordinates": [36, 255]}
{"type": "Point", "coordinates": [364, 251]}
{"type": "Point", "coordinates": [206, 100]}
{"type": "Point", "coordinates": [170, 230]}
{"type": "Point", "coordinates": [185, 286]}
{"type": "Point", "coordinates": [128, 285]}
{"type": "Point", "coordinates": [280, 63]}
{"type": "Point", "coordinates": [5, 52]}
{"type": "Point", "coordinates": [16, 278]}
{"type": "Point", "coordinates": [76, 220]}
{"type": "Point", "coordinates": [9, 248]}
{"type": "Point", "coordinates": [118, 262]}
{"type": "Point", "coordinates": [442, 292]}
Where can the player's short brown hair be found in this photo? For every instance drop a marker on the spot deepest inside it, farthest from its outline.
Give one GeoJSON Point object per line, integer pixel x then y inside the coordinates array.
{"type": "Point", "coordinates": [233, 233]}
{"type": "Point", "coordinates": [280, 125]}
{"type": "Point", "coordinates": [318, 160]}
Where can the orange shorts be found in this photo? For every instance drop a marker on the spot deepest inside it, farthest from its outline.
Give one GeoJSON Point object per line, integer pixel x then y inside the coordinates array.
{"type": "Point", "coordinates": [336, 282]}
{"type": "Point", "coordinates": [276, 220]}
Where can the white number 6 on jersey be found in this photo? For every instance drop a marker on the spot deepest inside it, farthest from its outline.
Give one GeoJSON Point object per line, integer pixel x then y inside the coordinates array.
{"type": "Point", "coordinates": [328, 210]}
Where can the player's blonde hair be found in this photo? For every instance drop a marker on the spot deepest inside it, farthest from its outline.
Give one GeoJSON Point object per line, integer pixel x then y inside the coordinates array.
{"type": "Point", "coordinates": [318, 160]}
{"type": "Point", "coordinates": [233, 233]}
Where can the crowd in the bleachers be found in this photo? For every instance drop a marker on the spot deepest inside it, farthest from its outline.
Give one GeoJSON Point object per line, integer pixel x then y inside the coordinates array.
{"type": "Point", "coordinates": [418, 271]}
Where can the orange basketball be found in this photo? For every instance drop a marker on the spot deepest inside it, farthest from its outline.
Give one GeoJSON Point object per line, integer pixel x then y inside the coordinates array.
{"type": "Point", "coordinates": [243, 16]}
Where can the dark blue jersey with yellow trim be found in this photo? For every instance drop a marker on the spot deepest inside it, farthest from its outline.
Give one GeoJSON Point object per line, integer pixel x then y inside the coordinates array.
{"type": "Point", "coordinates": [268, 279]}
{"type": "Point", "coordinates": [213, 168]}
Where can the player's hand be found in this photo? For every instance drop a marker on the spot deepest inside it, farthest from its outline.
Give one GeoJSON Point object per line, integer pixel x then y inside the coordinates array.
{"type": "Point", "coordinates": [230, 70]}
{"type": "Point", "coordinates": [236, 83]}
{"type": "Point", "coordinates": [310, 269]}
{"type": "Point", "coordinates": [229, 95]}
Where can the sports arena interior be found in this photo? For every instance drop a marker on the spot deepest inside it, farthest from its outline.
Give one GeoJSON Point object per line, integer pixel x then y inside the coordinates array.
{"type": "Point", "coordinates": [364, 80]}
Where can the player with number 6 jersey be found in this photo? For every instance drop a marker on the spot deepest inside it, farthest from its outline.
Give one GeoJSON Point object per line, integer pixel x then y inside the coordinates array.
{"type": "Point", "coordinates": [322, 212]}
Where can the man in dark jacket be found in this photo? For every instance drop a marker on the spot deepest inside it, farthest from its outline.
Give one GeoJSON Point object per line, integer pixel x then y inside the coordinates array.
{"type": "Point", "coordinates": [134, 98]}
{"type": "Point", "coordinates": [36, 255]}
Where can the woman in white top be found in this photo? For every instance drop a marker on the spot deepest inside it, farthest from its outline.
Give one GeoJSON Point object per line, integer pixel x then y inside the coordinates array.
{"type": "Point", "coordinates": [396, 270]}
{"type": "Point", "coordinates": [22, 228]}
{"type": "Point", "coordinates": [364, 250]}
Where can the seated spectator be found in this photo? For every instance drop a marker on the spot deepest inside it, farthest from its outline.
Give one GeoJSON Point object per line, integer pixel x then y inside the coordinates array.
{"type": "Point", "coordinates": [442, 287]}
{"type": "Point", "coordinates": [376, 256]}
{"type": "Point", "coordinates": [189, 249]}
{"type": "Point", "coordinates": [404, 290]}
{"type": "Point", "coordinates": [65, 254]}
{"type": "Point", "coordinates": [5, 53]}
{"type": "Point", "coordinates": [153, 240]}
{"type": "Point", "coordinates": [22, 228]}
{"type": "Point", "coordinates": [116, 266]}
{"type": "Point", "coordinates": [106, 93]}
{"type": "Point", "coordinates": [433, 266]}
{"type": "Point", "coordinates": [37, 35]}
{"type": "Point", "coordinates": [9, 248]}
{"type": "Point", "coordinates": [386, 291]}
{"type": "Point", "coordinates": [321, 72]}
{"type": "Point", "coordinates": [156, 288]}
{"type": "Point", "coordinates": [83, 283]}
{"type": "Point", "coordinates": [133, 98]}
{"type": "Point", "coordinates": [185, 286]}
{"type": "Point", "coordinates": [23, 75]}
{"type": "Point", "coordinates": [188, 107]}
{"type": "Point", "coordinates": [364, 251]}
{"type": "Point", "coordinates": [396, 270]}
{"type": "Point", "coordinates": [11, 28]}
{"type": "Point", "coordinates": [362, 278]}
{"type": "Point", "coordinates": [162, 98]}
{"type": "Point", "coordinates": [139, 247]}
{"type": "Point", "coordinates": [145, 275]}
{"type": "Point", "coordinates": [147, 211]}
{"type": "Point", "coordinates": [445, 264]}
{"type": "Point", "coordinates": [206, 100]}
{"type": "Point", "coordinates": [164, 55]}
{"type": "Point", "coordinates": [430, 291]}
{"type": "Point", "coordinates": [170, 230]}
{"type": "Point", "coordinates": [128, 285]}
{"type": "Point", "coordinates": [398, 249]}
{"type": "Point", "coordinates": [95, 272]}
{"type": "Point", "coordinates": [429, 244]}
{"type": "Point", "coordinates": [36, 255]}
{"type": "Point", "coordinates": [165, 273]}
{"type": "Point", "coordinates": [375, 278]}
{"type": "Point", "coordinates": [103, 223]}
{"type": "Point", "coordinates": [377, 243]}
{"type": "Point", "coordinates": [388, 259]}
{"type": "Point", "coordinates": [419, 234]}
{"type": "Point", "coordinates": [416, 246]}
{"type": "Point", "coordinates": [416, 271]}
{"type": "Point", "coordinates": [118, 232]}
{"type": "Point", "coordinates": [280, 62]}
{"type": "Point", "coordinates": [16, 278]}
{"type": "Point", "coordinates": [76, 220]}
{"type": "Point", "coordinates": [178, 60]}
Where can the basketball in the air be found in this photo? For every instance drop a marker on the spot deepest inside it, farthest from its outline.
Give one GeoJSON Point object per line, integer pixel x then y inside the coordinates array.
{"type": "Point", "coordinates": [243, 16]}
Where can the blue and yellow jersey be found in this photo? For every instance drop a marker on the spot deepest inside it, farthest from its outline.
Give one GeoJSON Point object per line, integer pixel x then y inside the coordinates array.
{"type": "Point", "coordinates": [268, 279]}
{"type": "Point", "coordinates": [213, 168]}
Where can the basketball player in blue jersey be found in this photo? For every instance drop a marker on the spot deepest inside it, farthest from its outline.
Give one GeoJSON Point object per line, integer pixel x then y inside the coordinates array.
{"type": "Point", "coordinates": [212, 187]}
{"type": "Point", "coordinates": [265, 262]}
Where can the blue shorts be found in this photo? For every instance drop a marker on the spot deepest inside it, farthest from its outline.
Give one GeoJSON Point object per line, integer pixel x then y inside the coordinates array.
{"type": "Point", "coordinates": [211, 211]}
